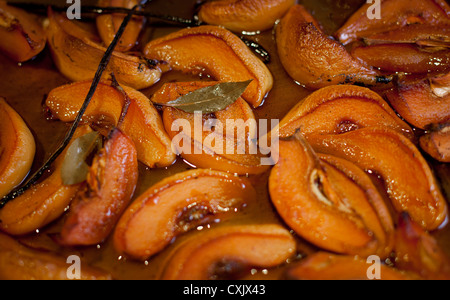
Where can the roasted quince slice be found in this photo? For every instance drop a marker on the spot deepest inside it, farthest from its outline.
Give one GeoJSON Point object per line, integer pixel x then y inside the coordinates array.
{"type": "Point", "coordinates": [408, 179]}
{"type": "Point", "coordinates": [437, 142]}
{"type": "Point", "coordinates": [111, 183]}
{"type": "Point", "coordinates": [17, 149]}
{"type": "Point", "coordinates": [22, 36]}
{"type": "Point", "coordinates": [330, 203]}
{"type": "Point", "coordinates": [43, 202]}
{"type": "Point", "coordinates": [315, 60]}
{"type": "Point", "coordinates": [227, 138]}
{"type": "Point", "coordinates": [418, 251]}
{"type": "Point", "coordinates": [409, 59]}
{"type": "Point", "coordinates": [422, 103]}
{"type": "Point", "coordinates": [18, 262]}
{"type": "Point", "coordinates": [108, 25]}
{"type": "Point", "coordinates": [176, 205]}
{"type": "Point", "coordinates": [214, 51]}
{"type": "Point", "coordinates": [329, 266]}
{"type": "Point", "coordinates": [340, 109]}
{"type": "Point", "coordinates": [229, 251]}
{"type": "Point", "coordinates": [395, 14]}
{"type": "Point", "coordinates": [142, 123]}
{"type": "Point", "coordinates": [246, 15]}
{"type": "Point", "coordinates": [77, 54]}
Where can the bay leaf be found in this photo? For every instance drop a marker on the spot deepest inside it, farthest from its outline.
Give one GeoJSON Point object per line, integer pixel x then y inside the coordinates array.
{"type": "Point", "coordinates": [210, 99]}
{"type": "Point", "coordinates": [75, 169]}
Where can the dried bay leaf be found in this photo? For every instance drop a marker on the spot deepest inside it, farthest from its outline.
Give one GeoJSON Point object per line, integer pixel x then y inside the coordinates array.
{"type": "Point", "coordinates": [210, 99]}
{"type": "Point", "coordinates": [75, 169]}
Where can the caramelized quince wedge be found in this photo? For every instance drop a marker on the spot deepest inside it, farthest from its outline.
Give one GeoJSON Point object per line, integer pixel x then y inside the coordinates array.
{"type": "Point", "coordinates": [327, 207]}
{"type": "Point", "coordinates": [18, 262]}
{"type": "Point", "coordinates": [217, 52]}
{"type": "Point", "coordinates": [360, 178]}
{"type": "Point", "coordinates": [108, 25]}
{"type": "Point", "coordinates": [246, 15]}
{"type": "Point", "coordinates": [111, 183]}
{"type": "Point", "coordinates": [312, 58]}
{"type": "Point", "coordinates": [422, 103]}
{"type": "Point", "coordinates": [339, 109]}
{"type": "Point", "coordinates": [224, 145]}
{"type": "Point", "coordinates": [176, 205]}
{"type": "Point", "coordinates": [43, 203]}
{"type": "Point", "coordinates": [77, 54]}
{"type": "Point", "coordinates": [404, 58]}
{"type": "Point", "coordinates": [229, 251]}
{"type": "Point", "coordinates": [395, 14]}
{"type": "Point", "coordinates": [407, 176]}
{"type": "Point", "coordinates": [328, 266]}
{"type": "Point", "coordinates": [17, 149]}
{"type": "Point", "coordinates": [437, 143]}
{"type": "Point", "coordinates": [142, 122]}
{"type": "Point", "coordinates": [422, 35]}
{"type": "Point", "coordinates": [417, 251]}
{"type": "Point", "coordinates": [21, 34]}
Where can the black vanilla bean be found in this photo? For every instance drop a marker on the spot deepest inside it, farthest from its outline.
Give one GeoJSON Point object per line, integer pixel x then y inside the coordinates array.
{"type": "Point", "coordinates": [102, 67]}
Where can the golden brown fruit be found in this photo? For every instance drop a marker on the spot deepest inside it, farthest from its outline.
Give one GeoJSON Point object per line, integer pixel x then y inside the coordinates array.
{"type": "Point", "coordinates": [419, 34]}
{"type": "Point", "coordinates": [405, 58]}
{"type": "Point", "coordinates": [327, 207]}
{"type": "Point", "coordinates": [407, 176]}
{"type": "Point", "coordinates": [244, 15]}
{"type": "Point", "coordinates": [111, 183]}
{"type": "Point", "coordinates": [437, 143]}
{"type": "Point", "coordinates": [108, 25]}
{"type": "Point", "coordinates": [217, 52]}
{"type": "Point", "coordinates": [142, 123]}
{"type": "Point", "coordinates": [418, 251]}
{"type": "Point", "coordinates": [18, 262]}
{"type": "Point", "coordinates": [395, 14]}
{"type": "Point", "coordinates": [17, 149]}
{"type": "Point", "coordinates": [21, 35]}
{"type": "Point", "coordinates": [339, 109]}
{"type": "Point", "coordinates": [231, 149]}
{"type": "Point", "coordinates": [327, 266]}
{"type": "Point", "coordinates": [422, 103]}
{"type": "Point", "coordinates": [176, 205]}
{"type": "Point", "coordinates": [225, 252]}
{"type": "Point", "coordinates": [43, 203]}
{"type": "Point", "coordinates": [312, 58]}
{"type": "Point", "coordinates": [77, 56]}
{"type": "Point", "coordinates": [360, 178]}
